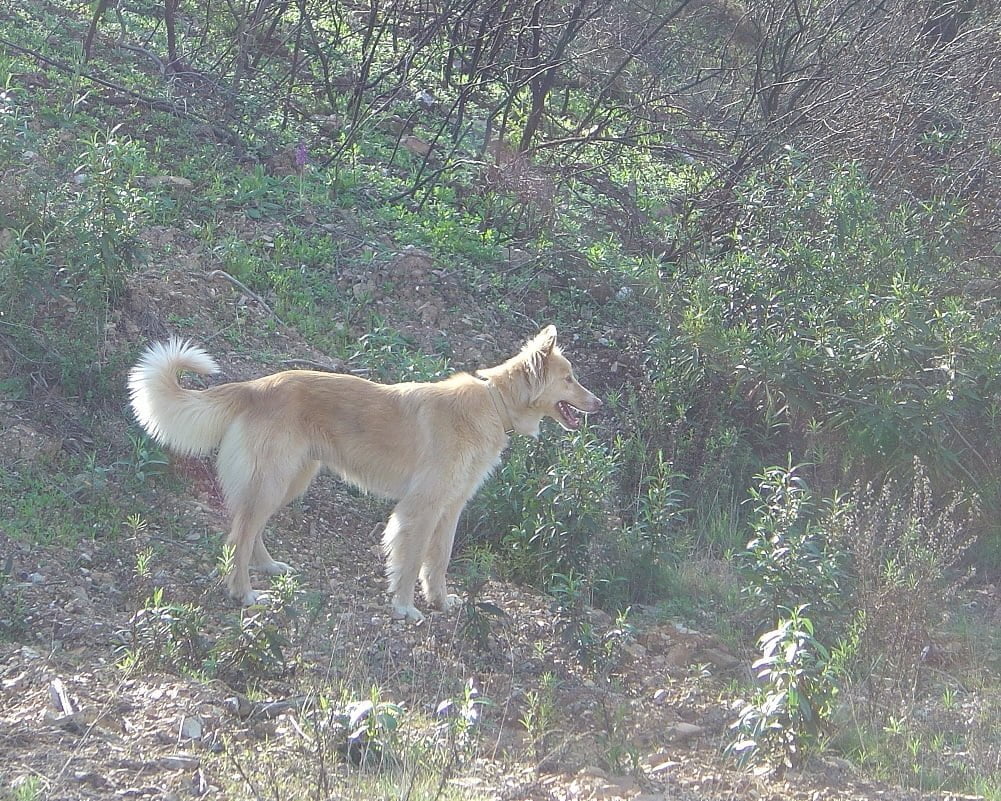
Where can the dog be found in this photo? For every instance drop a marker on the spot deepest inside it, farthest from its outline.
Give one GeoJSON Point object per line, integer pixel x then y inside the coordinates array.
{"type": "Point", "coordinates": [428, 446]}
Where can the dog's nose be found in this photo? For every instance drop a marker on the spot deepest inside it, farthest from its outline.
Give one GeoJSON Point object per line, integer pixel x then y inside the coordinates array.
{"type": "Point", "coordinates": [596, 403]}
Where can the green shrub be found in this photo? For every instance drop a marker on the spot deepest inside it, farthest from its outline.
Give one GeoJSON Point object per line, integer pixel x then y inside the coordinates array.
{"type": "Point", "coordinates": [837, 327]}
{"type": "Point", "coordinates": [549, 504]}
{"type": "Point", "coordinates": [558, 516]}
{"type": "Point", "coordinates": [797, 555]}
{"type": "Point", "coordinates": [164, 636]}
{"type": "Point", "coordinates": [369, 730]}
{"type": "Point", "coordinates": [791, 710]}
{"type": "Point", "coordinates": [65, 271]}
{"type": "Point", "coordinates": [13, 607]}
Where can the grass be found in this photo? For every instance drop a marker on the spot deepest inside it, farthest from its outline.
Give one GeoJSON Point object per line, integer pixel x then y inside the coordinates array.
{"type": "Point", "coordinates": [24, 788]}
{"type": "Point", "coordinates": [63, 505]}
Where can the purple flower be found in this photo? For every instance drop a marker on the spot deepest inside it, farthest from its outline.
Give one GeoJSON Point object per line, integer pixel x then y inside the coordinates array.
{"type": "Point", "coordinates": [301, 155]}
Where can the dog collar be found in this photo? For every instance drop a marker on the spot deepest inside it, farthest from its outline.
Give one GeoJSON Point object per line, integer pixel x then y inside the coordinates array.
{"type": "Point", "coordinates": [498, 401]}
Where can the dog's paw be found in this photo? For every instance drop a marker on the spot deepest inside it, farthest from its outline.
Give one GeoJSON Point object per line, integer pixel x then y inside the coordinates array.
{"type": "Point", "coordinates": [407, 613]}
{"type": "Point", "coordinates": [274, 568]}
{"type": "Point", "coordinates": [253, 598]}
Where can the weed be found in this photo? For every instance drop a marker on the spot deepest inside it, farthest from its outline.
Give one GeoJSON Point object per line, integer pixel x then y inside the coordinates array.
{"type": "Point", "coordinates": [906, 547]}
{"type": "Point", "coordinates": [147, 459]}
{"type": "Point", "coordinates": [794, 556]}
{"type": "Point", "coordinates": [619, 755]}
{"type": "Point", "coordinates": [163, 635]}
{"type": "Point", "coordinates": [26, 788]}
{"type": "Point", "coordinates": [366, 731]}
{"type": "Point", "coordinates": [60, 500]}
{"type": "Point", "coordinates": [13, 607]}
{"type": "Point", "coordinates": [539, 715]}
{"type": "Point", "coordinates": [790, 712]}
{"type": "Point", "coordinates": [256, 644]}
{"type": "Point", "coordinates": [71, 261]}
{"type": "Point", "coordinates": [479, 618]}
{"type": "Point", "coordinates": [462, 716]}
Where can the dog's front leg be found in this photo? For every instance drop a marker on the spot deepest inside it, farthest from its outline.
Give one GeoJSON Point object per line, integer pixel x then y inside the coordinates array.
{"type": "Point", "coordinates": [436, 558]}
{"type": "Point", "coordinates": [405, 540]}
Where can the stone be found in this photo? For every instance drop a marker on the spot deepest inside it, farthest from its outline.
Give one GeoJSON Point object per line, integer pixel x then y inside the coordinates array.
{"type": "Point", "coordinates": [598, 617]}
{"type": "Point", "coordinates": [720, 658]}
{"type": "Point", "coordinates": [593, 771]}
{"type": "Point", "coordinates": [171, 182]}
{"type": "Point", "coordinates": [685, 731]}
{"type": "Point", "coordinates": [416, 146]}
{"type": "Point", "coordinates": [91, 778]}
{"type": "Point", "coordinates": [679, 655]}
{"type": "Point", "coordinates": [661, 762]}
{"type": "Point", "coordinates": [656, 642]}
{"type": "Point", "coordinates": [413, 261]}
{"type": "Point", "coordinates": [191, 728]}
{"type": "Point", "coordinates": [179, 762]}
{"type": "Point", "coordinates": [635, 650]}
{"type": "Point", "coordinates": [59, 697]}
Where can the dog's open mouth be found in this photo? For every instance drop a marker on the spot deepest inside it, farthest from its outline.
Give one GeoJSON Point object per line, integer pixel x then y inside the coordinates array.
{"type": "Point", "coordinates": [570, 417]}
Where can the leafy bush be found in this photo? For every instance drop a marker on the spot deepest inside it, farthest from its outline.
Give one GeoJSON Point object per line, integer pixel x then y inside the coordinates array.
{"type": "Point", "coordinates": [13, 608]}
{"type": "Point", "coordinates": [792, 708]}
{"type": "Point", "coordinates": [164, 636]}
{"type": "Point", "coordinates": [549, 503]}
{"type": "Point", "coordinates": [256, 645]}
{"type": "Point", "coordinates": [796, 555]}
{"type": "Point", "coordinates": [369, 729]}
{"type": "Point", "coordinates": [560, 518]}
{"type": "Point", "coordinates": [171, 636]}
{"type": "Point", "coordinates": [882, 563]}
{"type": "Point", "coordinates": [472, 570]}
{"type": "Point", "coordinates": [65, 271]}
{"type": "Point", "coordinates": [838, 328]}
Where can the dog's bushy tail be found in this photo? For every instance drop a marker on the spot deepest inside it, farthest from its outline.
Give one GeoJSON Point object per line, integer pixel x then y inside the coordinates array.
{"type": "Point", "coordinates": [187, 421]}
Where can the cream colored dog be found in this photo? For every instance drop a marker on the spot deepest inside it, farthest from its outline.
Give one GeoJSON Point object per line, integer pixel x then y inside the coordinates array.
{"type": "Point", "coordinates": [427, 445]}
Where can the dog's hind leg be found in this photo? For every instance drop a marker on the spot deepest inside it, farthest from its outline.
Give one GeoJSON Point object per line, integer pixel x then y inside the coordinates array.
{"type": "Point", "coordinates": [248, 522]}
{"type": "Point", "coordinates": [405, 540]}
{"type": "Point", "coordinates": [439, 551]}
{"type": "Point", "coordinates": [261, 559]}
{"type": "Point", "coordinates": [255, 484]}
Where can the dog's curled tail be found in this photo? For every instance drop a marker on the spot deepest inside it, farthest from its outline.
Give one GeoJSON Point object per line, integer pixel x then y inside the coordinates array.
{"type": "Point", "coordinates": [187, 421]}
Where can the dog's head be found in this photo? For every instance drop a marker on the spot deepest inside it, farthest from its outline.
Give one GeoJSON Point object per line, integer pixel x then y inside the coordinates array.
{"type": "Point", "coordinates": [549, 388]}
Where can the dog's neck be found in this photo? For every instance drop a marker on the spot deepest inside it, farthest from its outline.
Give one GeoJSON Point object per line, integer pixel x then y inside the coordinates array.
{"type": "Point", "coordinates": [498, 401]}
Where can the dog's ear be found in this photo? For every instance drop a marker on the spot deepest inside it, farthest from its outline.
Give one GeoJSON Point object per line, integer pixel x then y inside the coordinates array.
{"type": "Point", "coordinates": [537, 352]}
{"type": "Point", "coordinates": [546, 339]}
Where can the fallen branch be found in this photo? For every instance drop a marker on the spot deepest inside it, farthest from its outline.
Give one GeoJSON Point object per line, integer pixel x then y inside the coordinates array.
{"type": "Point", "coordinates": [333, 367]}
{"type": "Point", "coordinates": [243, 287]}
